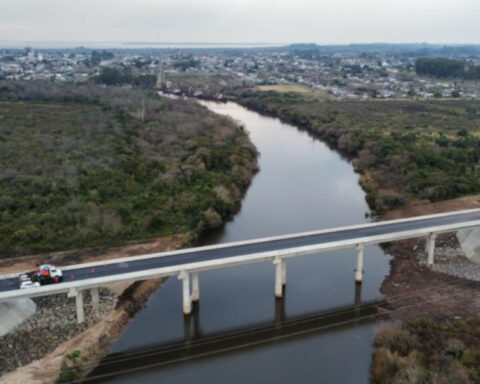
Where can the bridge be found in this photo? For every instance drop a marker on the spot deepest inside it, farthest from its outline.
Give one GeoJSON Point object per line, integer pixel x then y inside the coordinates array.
{"type": "Point", "coordinates": [187, 264]}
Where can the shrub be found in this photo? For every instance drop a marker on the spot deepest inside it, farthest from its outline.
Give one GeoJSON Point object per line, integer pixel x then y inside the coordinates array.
{"type": "Point", "coordinates": [396, 339]}
{"type": "Point", "coordinates": [81, 169]}
{"type": "Point", "coordinates": [71, 369]}
{"type": "Point", "coordinates": [212, 219]}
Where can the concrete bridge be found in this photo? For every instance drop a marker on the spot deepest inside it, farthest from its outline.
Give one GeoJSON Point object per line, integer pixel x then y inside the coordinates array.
{"type": "Point", "coordinates": [187, 264]}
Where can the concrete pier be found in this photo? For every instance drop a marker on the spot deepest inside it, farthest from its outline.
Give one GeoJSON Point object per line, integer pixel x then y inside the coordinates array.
{"type": "Point", "coordinates": [430, 248]}
{"type": "Point", "coordinates": [78, 294]}
{"type": "Point", "coordinates": [359, 270]}
{"type": "Point", "coordinates": [279, 269]}
{"type": "Point", "coordinates": [79, 305]}
{"type": "Point", "coordinates": [187, 298]}
{"type": "Point", "coordinates": [195, 287]}
{"type": "Point", "coordinates": [274, 249]}
{"type": "Point", "coordinates": [95, 299]}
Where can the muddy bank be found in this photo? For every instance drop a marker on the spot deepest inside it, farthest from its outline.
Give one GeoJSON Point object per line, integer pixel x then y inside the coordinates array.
{"type": "Point", "coordinates": [93, 343]}
{"type": "Point", "coordinates": [435, 309]}
{"type": "Point", "coordinates": [413, 290]}
{"type": "Point", "coordinates": [449, 289]}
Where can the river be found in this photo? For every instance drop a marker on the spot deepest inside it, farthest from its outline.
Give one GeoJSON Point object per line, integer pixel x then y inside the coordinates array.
{"type": "Point", "coordinates": [302, 185]}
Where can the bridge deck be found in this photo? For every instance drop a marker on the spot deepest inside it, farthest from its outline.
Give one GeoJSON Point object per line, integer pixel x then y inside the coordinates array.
{"type": "Point", "coordinates": [202, 254]}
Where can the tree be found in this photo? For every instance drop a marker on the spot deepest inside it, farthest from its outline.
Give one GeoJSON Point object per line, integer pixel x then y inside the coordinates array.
{"type": "Point", "coordinates": [114, 76]}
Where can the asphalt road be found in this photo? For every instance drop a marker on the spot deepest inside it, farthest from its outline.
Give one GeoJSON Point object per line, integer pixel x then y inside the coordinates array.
{"type": "Point", "coordinates": [239, 250]}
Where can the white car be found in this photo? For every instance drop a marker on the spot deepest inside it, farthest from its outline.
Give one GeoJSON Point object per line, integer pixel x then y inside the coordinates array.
{"type": "Point", "coordinates": [29, 284]}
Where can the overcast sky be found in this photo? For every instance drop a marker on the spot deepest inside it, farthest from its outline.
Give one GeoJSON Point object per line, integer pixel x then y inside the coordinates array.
{"type": "Point", "coordinates": [248, 21]}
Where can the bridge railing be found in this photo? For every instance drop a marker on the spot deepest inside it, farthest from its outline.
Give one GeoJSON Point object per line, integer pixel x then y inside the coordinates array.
{"type": "Point", "coordinates": [188, 272]}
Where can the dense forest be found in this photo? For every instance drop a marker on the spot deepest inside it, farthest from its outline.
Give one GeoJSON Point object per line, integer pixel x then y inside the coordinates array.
{"type": "Point", "coordinates": [447, 68]}
{"type": "Point", "coordinates": [124, 76]}
{"type": "Point", "coordinates": [86, 166]}
{"type": "Point", "coordinates": [406, 150]}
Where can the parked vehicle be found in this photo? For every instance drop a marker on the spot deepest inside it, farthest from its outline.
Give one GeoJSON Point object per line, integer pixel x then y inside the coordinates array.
{"type": "Point", "coordinates": [29, 284]}
{"type": "Point", "coordinates": [43, 275]}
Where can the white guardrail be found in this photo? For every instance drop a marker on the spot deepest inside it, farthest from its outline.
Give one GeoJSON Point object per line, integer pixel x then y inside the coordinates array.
{"type": "Point", "coordinates": [95, 282]}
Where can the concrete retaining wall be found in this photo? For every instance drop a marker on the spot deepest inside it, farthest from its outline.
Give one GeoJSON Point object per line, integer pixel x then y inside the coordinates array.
{"type": "Point", "coordinates": [14, 312]}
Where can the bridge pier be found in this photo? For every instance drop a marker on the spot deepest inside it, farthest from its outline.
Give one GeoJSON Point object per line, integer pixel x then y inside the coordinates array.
{"type": "Point", "coordinates": [359, 270]}
{"type": "Point", "coordinates": [280, 276]}
{"type": "Point", "coordinates": [195, 287]}
{"type": "Point", "coordinates": [187, 298]}
{"type": "Point", "coordinates": [430, 248]}
{"type": "Point", "coordinates": [95, 299]}
{"type": "Point", "coordinates": [78, 294]}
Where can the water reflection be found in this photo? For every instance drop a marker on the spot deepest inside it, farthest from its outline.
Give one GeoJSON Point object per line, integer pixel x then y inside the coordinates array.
{"type": "Point", "coordinates": [196, 344]}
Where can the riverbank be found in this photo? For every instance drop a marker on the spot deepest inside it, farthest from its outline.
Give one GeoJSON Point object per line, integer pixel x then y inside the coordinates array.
{"type": "Point", "coordinates": [435, 310]}
{"type": "Point", "coordinates": [52, 333]}
{"type": "Point", "coordinates": [409, 151]}
{"type": "Point", "coordinates": [444, 291]}
{"type": "Point", "coordinates": [186, 194]}
{"type": "Point", "coordinates": [92, 344]}
{"type": "Point", "coordinates": [173, 169]}
{"type": "Point", "coordinates": [358, 208]}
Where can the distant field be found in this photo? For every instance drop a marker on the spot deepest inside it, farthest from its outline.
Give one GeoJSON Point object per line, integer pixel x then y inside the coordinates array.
{"type": "Point", "coordinates": [283, 88]}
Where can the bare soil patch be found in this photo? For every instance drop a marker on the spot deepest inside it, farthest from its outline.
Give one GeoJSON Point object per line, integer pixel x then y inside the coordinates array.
{"type": "Point", "coordinates": [467, 202]}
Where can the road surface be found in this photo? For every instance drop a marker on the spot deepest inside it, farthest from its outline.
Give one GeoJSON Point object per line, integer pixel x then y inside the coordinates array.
{"type": "Point", "coordinates": [82, 273]}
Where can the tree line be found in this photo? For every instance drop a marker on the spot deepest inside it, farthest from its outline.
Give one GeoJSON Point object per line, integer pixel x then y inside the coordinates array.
{"type": "Point", "coordinates": [447, 68]}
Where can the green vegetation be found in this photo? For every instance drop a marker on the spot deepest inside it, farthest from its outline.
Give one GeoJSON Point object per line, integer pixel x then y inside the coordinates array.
{"type": "Point", "coordinates": [427, 352]}
{"type": "Point", "coordinates": [445, 68]}
{"type": "Point", "coordinates": [98, 56]}
{"type": "Point", "coordinates": [185, 62]}
{"type": "Point", "coordinates": [114, 76]}
{"type": "Point", "coordinates": [72, 368]}
{"type": "Point", "coordinates": [407, 150]}
{"type": "Point", "coordinates": [86, 166]}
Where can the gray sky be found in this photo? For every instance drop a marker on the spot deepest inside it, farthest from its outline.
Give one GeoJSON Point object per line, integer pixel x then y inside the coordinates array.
{"type": "Point", "coordinates": [274, 21]}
